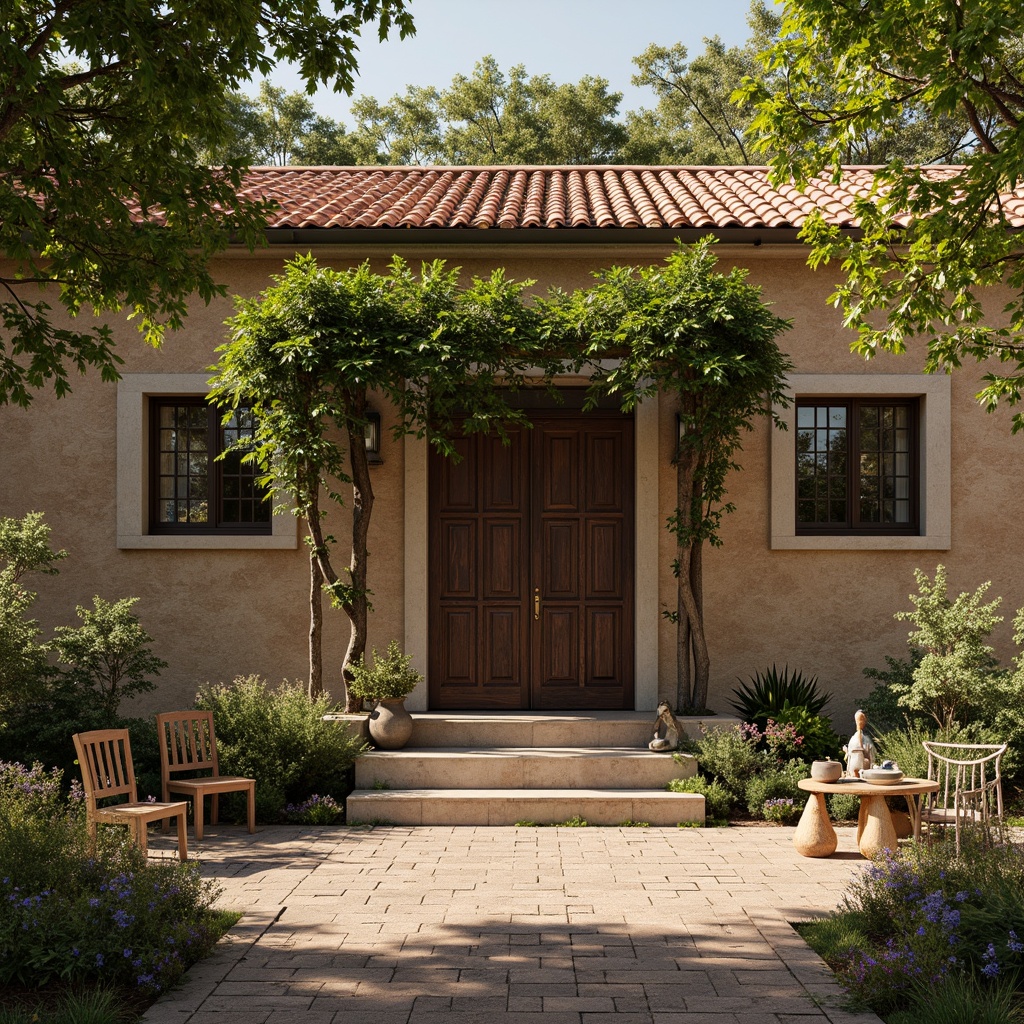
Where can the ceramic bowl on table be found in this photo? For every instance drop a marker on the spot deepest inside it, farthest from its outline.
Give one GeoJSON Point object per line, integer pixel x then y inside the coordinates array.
{"type": "Point", "coordinates": [882, 776]}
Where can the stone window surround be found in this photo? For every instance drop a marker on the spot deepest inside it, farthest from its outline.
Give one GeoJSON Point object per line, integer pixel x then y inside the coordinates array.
{"type": "Point", "coordinates": [933, 393]}
{"type": "Point", "coordinates": [133, 392]}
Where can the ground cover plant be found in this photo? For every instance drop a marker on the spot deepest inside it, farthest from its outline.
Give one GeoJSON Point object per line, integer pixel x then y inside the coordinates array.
{"type": "Point", "coordinates": [73, 918]}
{"type": "Point", "coordinates": [926, 936]}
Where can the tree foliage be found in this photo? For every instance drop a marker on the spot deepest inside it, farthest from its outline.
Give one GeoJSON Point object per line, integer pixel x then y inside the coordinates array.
{"type": "Point", "coordinates": [24, 548]}
{"type": "Point", "coordinates": [308, 353]}
{"type": "Point", "coordinates": [931, 244]}
{"type": "Point", "coordinates": [696, 120]}
{"type": "Point", "coordinates": [109, 652]}
{"type": "Point", "coordinates": [490, 117]}
{"type": "Point", "coordinates": [279, 128]}
{"type": "Point", "coordinates": [956, 663]}
{"type": "Point", "coordinates": [104, 193]}
{"type": "Point", "coordinates": [707, 338]}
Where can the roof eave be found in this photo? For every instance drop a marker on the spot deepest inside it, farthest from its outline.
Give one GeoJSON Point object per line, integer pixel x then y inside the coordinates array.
{"type": "Point", "coordinates": [529, 236]}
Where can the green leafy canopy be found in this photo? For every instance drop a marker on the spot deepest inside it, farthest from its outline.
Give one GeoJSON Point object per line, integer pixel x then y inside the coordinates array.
{"type": "Point", "coordinates": [106, 197]}
{"type": "Point", "coordinates": [932, 244]}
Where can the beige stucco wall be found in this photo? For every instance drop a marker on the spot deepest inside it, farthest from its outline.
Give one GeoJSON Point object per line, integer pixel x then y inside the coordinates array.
{"type": "Point", "coordinates": [219, 613]}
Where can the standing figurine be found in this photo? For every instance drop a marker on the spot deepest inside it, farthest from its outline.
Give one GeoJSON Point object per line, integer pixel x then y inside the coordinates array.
{"type": "Point", "coordinates": [860, 751]}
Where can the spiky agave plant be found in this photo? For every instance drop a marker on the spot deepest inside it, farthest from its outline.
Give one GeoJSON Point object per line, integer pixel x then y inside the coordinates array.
{"type": "Point", "coordinates": [769, 692]}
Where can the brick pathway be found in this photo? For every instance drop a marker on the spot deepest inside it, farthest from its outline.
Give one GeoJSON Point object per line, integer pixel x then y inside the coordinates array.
{"type": "Point", "coordinates": [411, 925]}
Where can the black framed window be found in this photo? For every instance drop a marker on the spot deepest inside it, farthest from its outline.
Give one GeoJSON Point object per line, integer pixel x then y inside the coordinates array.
{"type": "Point", "coordinates": [191, 490]}
{"type": "Point", "coordinates": [857, 466]}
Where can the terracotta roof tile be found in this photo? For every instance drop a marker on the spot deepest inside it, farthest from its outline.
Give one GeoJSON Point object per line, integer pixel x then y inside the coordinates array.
{"type": "Point", "coordinates": [592, 197]}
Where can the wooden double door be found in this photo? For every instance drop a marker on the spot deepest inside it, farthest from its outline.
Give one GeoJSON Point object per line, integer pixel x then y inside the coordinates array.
{"type": "Point", "coordinates": [531, 567]}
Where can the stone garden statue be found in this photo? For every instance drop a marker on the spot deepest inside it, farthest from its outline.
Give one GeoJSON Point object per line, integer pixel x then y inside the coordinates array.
{"type": "Point", "coordinates": [667, 731]}
{"type": "Point", "coordinates": [860, 751]}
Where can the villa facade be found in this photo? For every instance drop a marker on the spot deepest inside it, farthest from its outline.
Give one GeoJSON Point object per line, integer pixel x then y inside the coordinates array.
{"type": "Point", "coordinates": [534, 575]}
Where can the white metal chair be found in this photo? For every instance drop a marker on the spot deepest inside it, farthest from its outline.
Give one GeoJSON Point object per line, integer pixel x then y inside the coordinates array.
{"type": "Point", "coordinates": [970, 785]}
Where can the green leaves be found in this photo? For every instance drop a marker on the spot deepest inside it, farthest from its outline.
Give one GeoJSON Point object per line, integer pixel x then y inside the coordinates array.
{"type": "Point", "coordinates": [931, 81]}
{"type": "Point", "coordinates": [106, 195]}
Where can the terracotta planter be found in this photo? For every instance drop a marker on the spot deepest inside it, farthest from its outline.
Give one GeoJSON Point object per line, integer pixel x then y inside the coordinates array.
{"type": "Point", "coordinates": [390, 724]}
{"type": "Point", "coordinates": [826, 771]}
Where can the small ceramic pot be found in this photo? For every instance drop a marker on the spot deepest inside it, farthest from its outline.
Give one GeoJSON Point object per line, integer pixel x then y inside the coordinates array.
{"type": "Point", "coordinates": [826, 771]}
{"type": "Point", "coordinates": [390, 725]}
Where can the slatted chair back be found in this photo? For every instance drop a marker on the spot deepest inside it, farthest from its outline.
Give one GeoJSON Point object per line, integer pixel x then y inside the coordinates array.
{"type": "Point", "coordinates": [187, 742]}
{"type": "Point", "coordinates": [970, 784]}
{"type": "Point", "coordinates": [106, 760]}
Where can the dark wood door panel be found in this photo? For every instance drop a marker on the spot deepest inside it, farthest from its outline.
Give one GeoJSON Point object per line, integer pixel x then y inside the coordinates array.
{"type": "Point", "coordinates": [531, 567]}
{"type": "Point", "coordinates": [502, 560]}
{"type": "Point", "coordinates": [582, 561]}
{"type": "Point", "coordinates": [458, 553]}
{"type": "Point", "coordinates": [604, 577]}
{"type": "Point", "coordinates": [560, 556]}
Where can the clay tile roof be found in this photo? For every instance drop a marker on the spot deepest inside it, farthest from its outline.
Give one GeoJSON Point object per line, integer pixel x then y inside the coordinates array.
{"type": "Point", "coordinates": [701, 198]}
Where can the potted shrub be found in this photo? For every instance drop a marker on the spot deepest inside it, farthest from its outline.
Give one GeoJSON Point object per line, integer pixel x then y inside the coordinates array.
{"type": "Point", "coordinates": [386, 685]}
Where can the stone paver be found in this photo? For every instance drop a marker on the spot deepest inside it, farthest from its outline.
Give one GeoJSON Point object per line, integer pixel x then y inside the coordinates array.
{"type": "Point", "coordinates": [468, 925]}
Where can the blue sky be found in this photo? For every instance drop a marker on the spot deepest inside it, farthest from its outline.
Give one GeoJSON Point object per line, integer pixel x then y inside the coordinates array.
{"type": "Point", "coordinates": [566, 39]}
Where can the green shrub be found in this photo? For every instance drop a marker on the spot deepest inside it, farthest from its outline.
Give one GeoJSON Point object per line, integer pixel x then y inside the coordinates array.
{"type": "Point", "coordinates": [904, 745]}
{"type": "Point", "coordinates": [769, 692]}
{"type": "Point", "coordinates": [718, 801]}
{"type": "Point", "coordinates": [109, 652]}
{"type": "Point", "coordinates": [24, 548]}
{"type": "Point", "coordinates": [773, 783]}
{"type": "Point", "coordinates": [390, 677]}
{"type": "Point", "coordinates": [818, 739]}
{"type": "Point", "coordinates": [882, 705]}
{"type": "Point", "coordinates": [278, 737]}
{"type": "Point", "coordinates": [962, 1000]}
{"type": "Point", "coordinates": [956, 663]}
{"type": "Point", "coordinates": [782, 809]}
{"type": "Point", "coordinates": [317, 810]}
{"type": "Point", "coordinates": [728, 756]}
{"type": "Point", "coordinates": [68, 916]}
{"type": "Point", "coordinates": [843, 806]}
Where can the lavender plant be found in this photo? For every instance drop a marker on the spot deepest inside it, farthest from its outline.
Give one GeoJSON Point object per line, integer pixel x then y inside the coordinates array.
{"type": "Point", "coordinates": [70, 916]}
{"type": "Point", "coordinates": [317, 810]}
{"type": "Point", "coordinates": [932, 918]}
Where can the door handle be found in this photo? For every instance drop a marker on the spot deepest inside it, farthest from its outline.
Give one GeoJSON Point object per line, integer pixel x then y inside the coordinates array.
{"type": "Point", "coordinates": [536, 602]}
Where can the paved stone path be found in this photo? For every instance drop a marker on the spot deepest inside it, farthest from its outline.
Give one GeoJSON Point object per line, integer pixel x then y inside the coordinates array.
{"type": "Point", "coordinates": [412, 925]}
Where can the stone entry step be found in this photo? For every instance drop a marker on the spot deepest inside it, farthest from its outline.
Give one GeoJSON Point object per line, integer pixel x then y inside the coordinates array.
{"type": "Point", "coordinates": [460, 768]}
{"type": "Point", "coordinates": [509, 806]}
{"type": "Point", "coordinates": [484, 729]}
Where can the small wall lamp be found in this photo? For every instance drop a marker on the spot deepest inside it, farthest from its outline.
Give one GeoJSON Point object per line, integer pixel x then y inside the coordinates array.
{"type": "Point", "coordinates": [373, 438]}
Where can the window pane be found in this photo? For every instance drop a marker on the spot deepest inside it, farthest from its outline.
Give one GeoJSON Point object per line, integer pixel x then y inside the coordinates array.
{"type": "Point", "coordinates": [837, 416]}
{"type": "Point", "coordinates": [238, 478]}
{"type": "Point", "coordinates": [805, 417]}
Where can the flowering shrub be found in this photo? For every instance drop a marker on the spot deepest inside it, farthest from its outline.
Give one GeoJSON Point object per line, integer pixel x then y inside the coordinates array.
{"type": "Point", "coordinates": [69, 916]}
{"type": "Point", "coordinates": [781, 809]}
{"type": "Point", "coordinates": [317, 810]}
{"type": "Point", "coordinates": [931, 917]}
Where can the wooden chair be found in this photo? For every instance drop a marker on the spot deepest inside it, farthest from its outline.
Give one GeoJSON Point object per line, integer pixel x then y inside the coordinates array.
{"type": "Point", "coordinates": [970, 785]}
{"type": "Point", "coordinates": [105, 757]}
{"type": "Point", "coordinates": [188, 744]}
